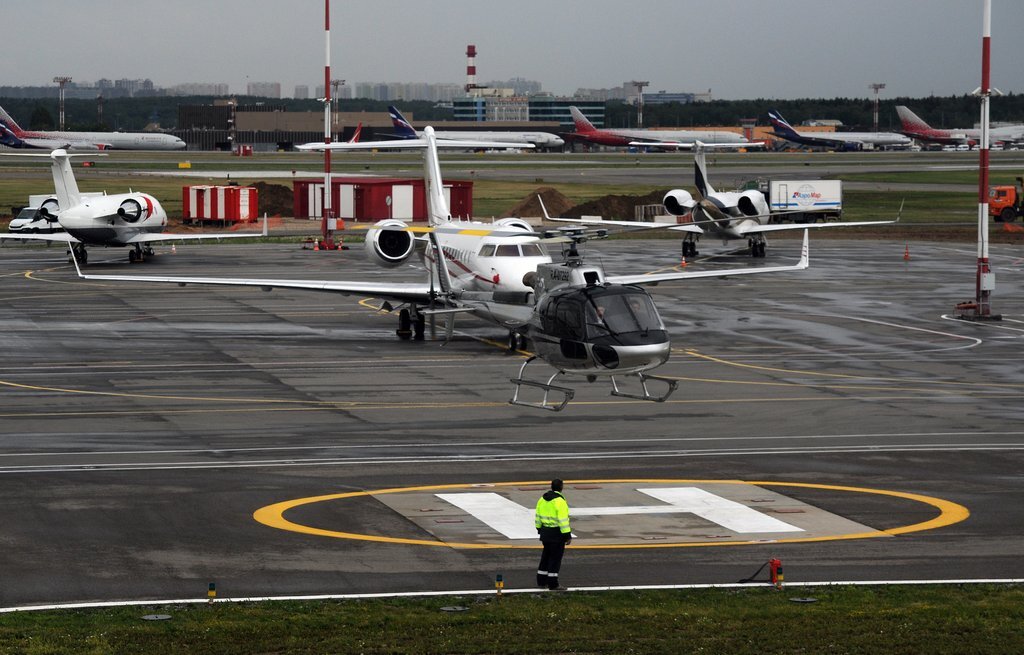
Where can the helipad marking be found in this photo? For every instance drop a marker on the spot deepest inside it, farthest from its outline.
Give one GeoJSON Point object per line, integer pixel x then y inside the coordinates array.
{"type": "Point", "coordinates": [516, 522]}
{"type": "Point", "coordinates": [949, 514]}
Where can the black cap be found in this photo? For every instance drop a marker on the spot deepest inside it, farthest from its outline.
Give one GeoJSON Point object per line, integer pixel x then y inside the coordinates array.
{"type": "Point", "coordinates": [556, 485]}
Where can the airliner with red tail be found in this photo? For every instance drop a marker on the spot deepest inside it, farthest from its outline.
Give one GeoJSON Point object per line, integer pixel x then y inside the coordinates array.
{"type": "Point", "coordinates": [665, 139]}
{"type": "Point", "coordinates": [915, 127]}
{"type": "Point", "coordinates": [12, 136]}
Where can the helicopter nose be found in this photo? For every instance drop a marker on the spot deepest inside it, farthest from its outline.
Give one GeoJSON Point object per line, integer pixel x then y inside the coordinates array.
{"type": "Point", "coordinates": [632, 359]}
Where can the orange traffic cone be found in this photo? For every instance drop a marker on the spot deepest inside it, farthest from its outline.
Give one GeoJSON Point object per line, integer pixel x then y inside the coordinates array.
{"type": "Point", "coordinates": [906, 253]}
{"type": "Point", "coordinates": [316, 244]}
{"type": "Point", "coordinates": [174, 250]}
{"type": "Point", "coordinates": [682, 264]}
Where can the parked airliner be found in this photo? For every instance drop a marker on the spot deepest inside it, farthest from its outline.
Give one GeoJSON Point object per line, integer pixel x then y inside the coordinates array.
{"type": "Point", "coordinates": [12, 136]}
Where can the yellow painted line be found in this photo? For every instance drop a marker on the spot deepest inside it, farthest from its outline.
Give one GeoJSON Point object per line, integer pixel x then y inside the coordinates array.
{"type": "Point", "coordinates": [273, 515]}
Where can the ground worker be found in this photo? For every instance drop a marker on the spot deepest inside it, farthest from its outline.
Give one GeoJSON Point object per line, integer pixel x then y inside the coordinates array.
{"type": "Point", "coordinates": [552, 522]}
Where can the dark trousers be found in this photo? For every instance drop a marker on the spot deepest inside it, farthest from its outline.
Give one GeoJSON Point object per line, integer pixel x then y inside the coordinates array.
{"type": "Point", "coordinates": [550, 563]}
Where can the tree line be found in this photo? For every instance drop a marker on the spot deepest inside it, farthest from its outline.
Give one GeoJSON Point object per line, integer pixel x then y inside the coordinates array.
{"type": "Point", "coordinates": [133, 114]}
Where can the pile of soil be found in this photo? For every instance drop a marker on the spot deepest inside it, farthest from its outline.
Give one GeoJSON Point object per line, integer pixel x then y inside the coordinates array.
{"type": "Point", "coordinates": [614, 207]}
{"type": "Point", "coordinates": [529, 207]}
{"type": "Point", "coordinates": [274, 199]}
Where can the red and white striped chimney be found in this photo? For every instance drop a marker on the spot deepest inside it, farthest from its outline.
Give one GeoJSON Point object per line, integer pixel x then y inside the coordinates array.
{"type": "Point", "coordinates": [470, 68]}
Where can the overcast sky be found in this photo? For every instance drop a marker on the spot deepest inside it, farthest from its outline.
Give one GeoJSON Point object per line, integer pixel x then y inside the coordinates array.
{"type": "Point", "coordinates": [736, 48]}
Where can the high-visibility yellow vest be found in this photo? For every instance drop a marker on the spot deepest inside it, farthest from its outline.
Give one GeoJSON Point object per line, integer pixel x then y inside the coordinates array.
{"type": "Point", "coordinates": [553, 513]}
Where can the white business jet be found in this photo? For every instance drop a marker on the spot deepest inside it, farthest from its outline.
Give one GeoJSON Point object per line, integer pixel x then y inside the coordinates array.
{"type": "Point", "coordinates": [133, 219]}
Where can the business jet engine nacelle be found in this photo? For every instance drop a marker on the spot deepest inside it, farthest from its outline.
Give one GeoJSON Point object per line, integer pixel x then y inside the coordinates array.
{"type": "Point", "coordinates": [515, 223]}
{"type": "Point", "coordinates": [751, 203]}
{"type": "Point", "coordinates": [679, 202]}
{"type": "Point", "coordinates": [131, 210]}
{"type": "Point", "coordinates": [49, 208]}
{"type": "Point", "coordinates": [389, 247]}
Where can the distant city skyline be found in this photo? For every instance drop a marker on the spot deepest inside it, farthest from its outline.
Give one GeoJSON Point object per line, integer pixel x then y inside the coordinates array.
{"type": "Point", "coordinates": [740, 49]}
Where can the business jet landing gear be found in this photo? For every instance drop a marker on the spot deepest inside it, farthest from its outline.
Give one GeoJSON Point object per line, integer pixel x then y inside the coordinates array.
{"type": "Point", "coordinates": [138, 253]}
{"type": "Point", "coordinates": [411, 325]}
{"type": "Point", "coordinates": [758, 246]}
{"type": "Point", "coordinates": [690, 245]}
{"type": "Point", "coordinates": [80, 253]}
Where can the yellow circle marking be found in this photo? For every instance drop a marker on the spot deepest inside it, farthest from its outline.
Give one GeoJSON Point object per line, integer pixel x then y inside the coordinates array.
{"type": "Point", "coordinates": [949, 514]}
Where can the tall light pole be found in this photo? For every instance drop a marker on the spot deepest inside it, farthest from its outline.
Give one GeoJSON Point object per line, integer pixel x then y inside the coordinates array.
{"type": "Point", "coordinates": [329, 224]}
{"type": "Point", "coordinates": [876, 87]}
{"type": "Point", "coordinates": [640, 101]}
{"type": "Point", "coordinates": [985, 279]}
{"type": "Point", "coordinates": [61, 80]}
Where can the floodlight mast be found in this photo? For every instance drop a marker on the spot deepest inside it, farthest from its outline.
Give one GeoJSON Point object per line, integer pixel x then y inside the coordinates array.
{"type": "Point", "coordinates": [985, 281]}
{"type": "Point", "coordinates": [328, 224]}
{"type": "Point", "coordinates": [61, 81]}
{"type": "Point", "coordinates": [876, 87]}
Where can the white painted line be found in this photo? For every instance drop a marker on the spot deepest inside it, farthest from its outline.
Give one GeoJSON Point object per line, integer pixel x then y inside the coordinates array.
{"type": "Point", "coordinates": [498, 512]}
{"type": "Point", "coordinates": [726, 513]}
{"type": "Point", "coordinates": [491, 592]}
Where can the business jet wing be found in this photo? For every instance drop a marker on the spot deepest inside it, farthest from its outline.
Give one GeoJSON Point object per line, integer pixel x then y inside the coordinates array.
{"type": "Point", "coordinates": [655, 278]}
{"type": "Point", "coordinates": [56, 237]}
{"type": "Point", "coordinates": [635, 225]}
{"type": "Point", "coordinates": [152, 237]}
{"type": "Point", "coordinates": [779, 227]}
{"type": "Point", "coordinates": [407, 292]}
{"type": "Point", "coordinates": [675, 227]}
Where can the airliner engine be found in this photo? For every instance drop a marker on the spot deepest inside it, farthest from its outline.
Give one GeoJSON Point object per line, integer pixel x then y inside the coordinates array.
{"type": "Point", "coordinates": [388, 243]}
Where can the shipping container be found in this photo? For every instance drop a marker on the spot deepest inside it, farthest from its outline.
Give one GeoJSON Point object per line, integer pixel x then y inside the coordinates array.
{"type": "Point", "coordinates": [372, 199]}
{"type": "Point", "coordinates": [227, 204]}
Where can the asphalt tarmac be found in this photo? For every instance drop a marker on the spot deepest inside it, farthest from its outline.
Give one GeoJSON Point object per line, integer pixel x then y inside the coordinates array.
{"type": "Point", "coordinates": [150, 433]}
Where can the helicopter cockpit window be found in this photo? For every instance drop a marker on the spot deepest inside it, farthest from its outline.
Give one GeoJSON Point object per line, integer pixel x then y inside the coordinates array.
{"type": "Point", "coordinates": [487, 250]}
{"type": "Point", "coordinates": [619, 313]}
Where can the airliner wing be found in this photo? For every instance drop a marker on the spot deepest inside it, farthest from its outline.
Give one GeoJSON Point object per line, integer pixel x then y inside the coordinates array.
{"type": "Point", "coordinates": [46, 144]}
{"type": "Point", "coordinates": [689, 275]}
{"type": "Point", "coordinates": [689, 145]}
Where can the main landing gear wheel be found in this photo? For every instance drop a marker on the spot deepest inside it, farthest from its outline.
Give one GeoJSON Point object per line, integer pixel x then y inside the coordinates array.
{"type": "Point", "coordinates": [80, 254]}
{"type": "Point", "coordinates": [516, 342]}
{"type": "Point", "coordinates": [689, 249]}
{"type": "Point", "coordinates": [404, 330]}
{"type": "Point", "coordinates": [758, 248]}
{"type": "Point", "coordinates": [418, 325]}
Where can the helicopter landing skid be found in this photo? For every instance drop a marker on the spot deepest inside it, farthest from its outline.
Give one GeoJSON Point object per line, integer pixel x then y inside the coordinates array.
{"type": "Point", "coordinates": [646, 395]}
{"type": "Point", "coordinates": [557, 406]}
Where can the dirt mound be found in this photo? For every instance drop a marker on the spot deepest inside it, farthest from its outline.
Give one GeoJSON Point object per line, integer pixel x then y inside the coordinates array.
{"type": "Point", "coordinates": [529, 207]}
{"type": "Point", "coordinates": [275, 199]}
{"type": "Point", "coordinates": [615, 207]}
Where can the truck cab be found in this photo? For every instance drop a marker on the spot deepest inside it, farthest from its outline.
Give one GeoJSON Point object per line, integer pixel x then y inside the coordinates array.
{"type": "Point", "coordinates": [1005, 202]}
{"type": "Point", "coordinates": [32, 220]}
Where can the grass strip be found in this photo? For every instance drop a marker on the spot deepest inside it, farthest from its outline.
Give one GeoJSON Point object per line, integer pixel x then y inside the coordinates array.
{"type": "Point", "coordinates": [892, 619]}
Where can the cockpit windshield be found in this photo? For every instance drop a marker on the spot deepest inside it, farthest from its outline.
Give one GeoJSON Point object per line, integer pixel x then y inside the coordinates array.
{"type": "Point", "coordinates": [619, 313]}
{"type": "Point", "coordinates": [513, 250]}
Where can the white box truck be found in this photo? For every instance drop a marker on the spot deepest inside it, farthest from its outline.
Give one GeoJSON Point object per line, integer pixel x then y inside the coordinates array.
{"type": "Point", "coordinates": [811, 200]}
